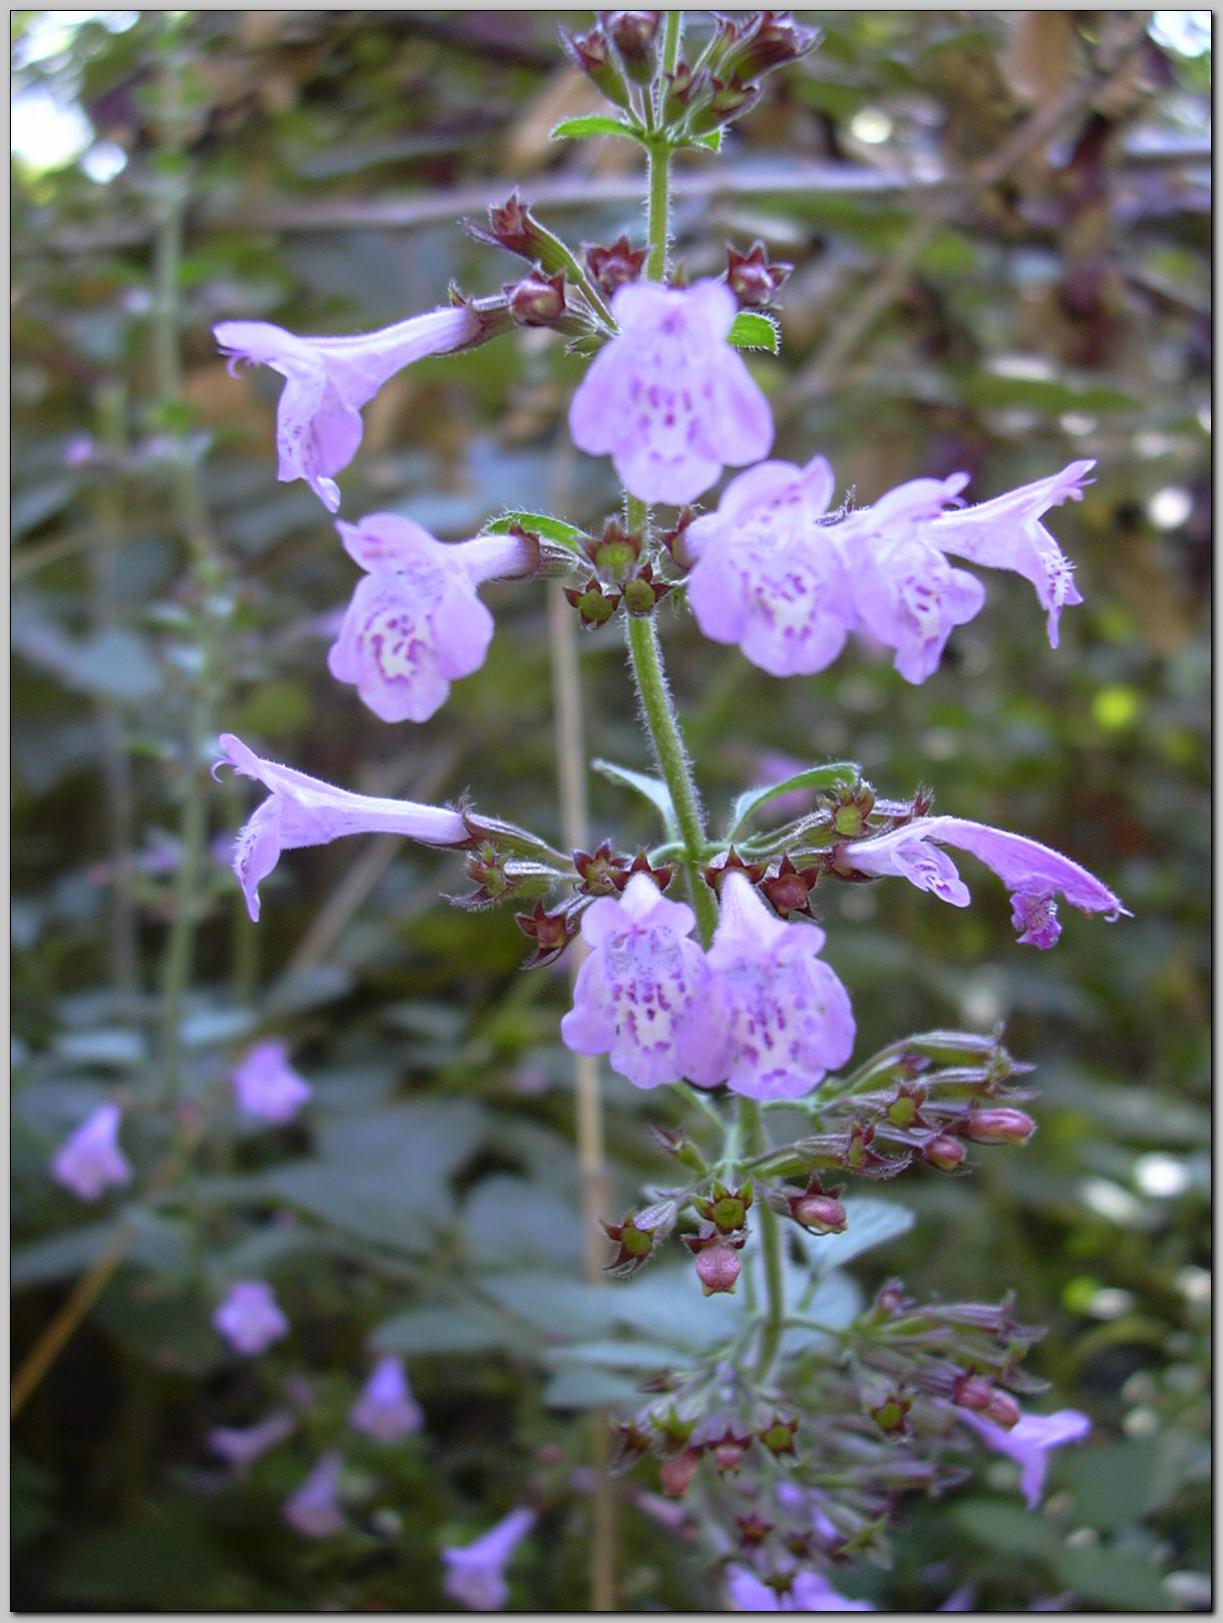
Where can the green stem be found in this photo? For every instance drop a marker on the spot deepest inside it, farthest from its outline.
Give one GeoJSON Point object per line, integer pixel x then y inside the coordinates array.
{"type": "Point", "coordinates": [672, 32]}
{"type": "Point", "coordinates": [658, 218]}
{"type": "Point", "coordinates": [751, 1126]}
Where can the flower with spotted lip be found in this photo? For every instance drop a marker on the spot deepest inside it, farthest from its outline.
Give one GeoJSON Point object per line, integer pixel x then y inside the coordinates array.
{"type": "Point", "coordinates": [415, 623]}
{"type": "Point", "coordinates": [767, 575]}
{"type": "Point", "coordinates": [668, 397]}
{"type": "Point", "coordinates": [641, 993]}
{"type": "Point", "coordinates": [786, 1017]}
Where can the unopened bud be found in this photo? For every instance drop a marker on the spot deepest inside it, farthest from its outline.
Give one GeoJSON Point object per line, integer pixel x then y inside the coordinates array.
{"type": "Point", "coordinates": [768, 40]}
{"type": "Point", "coordinates": [633, 34]}
{"type": "Point", "coordinates": [727, 102]}
{"type": "Point", "coordinates": [972, 1392]}
{"type": "Point", "coordinates": [717, 1268]}
{"type": "Point", "coordinates": [614, 266]}
{"type": "Point", "coordinates": [538, 300]}
{"type": "Point", "coordinates": [676, 1474]}
{"type": "Point", "coordinates": [750, 276]}
{"type": "Point", "coordinates": [944, 1152]}
{"type": "Point", "coordinates": [1000, 1126]}
{"type": "Point", "coordinates": [592, 55]}
{"type": "Point", "coordinates": [819, 1213]}
{"type": "Point", "coordinates": [1003, 1410]}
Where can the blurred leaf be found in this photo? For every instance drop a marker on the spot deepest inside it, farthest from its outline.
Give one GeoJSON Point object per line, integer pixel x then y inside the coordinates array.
{"type": "Point", "coordinates": [869, 1223]}
{"type": "Point", "coordinates": [1125, 1481]}
{"type": "Point", "coordinates": [654, 790]}
{"type": "Point", "coordinates": [579, 1388]}
{"type": "Point", "coordinates": [513, 1221]}
{"type": "Point", "coordinates": [457, 1329]}
{"type": "Point", "coordinates": [1008, 1528]}
{"type": "Point", "coordinates": [752, 329]}
{"type": "Point", "coordinates": [1108, 1576]}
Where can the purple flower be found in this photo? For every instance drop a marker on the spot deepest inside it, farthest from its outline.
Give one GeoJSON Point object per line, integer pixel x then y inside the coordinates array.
{"type": "Point", "coordinates": [807, 1592]}
{"type": "Point", "coordinates": [1029, 1442]}
{"type": "Point", "coordinates": [1006, 533]}
{"type": "Point", "coordinates": [641, 994]}
{"type": "Point", "coordinates": [249, 1318]}
{"type": "Point", "coordinates": [668, 398]}
{"type": "Point", "coordinates": [415, 622]}
{"type": "Point", "coordinates": [475, 1574]}
{"type": "Point", "coordinates": [266, 1085]}
{"type": "Point", "coordinates": [386, 1409]}
{"type": "Point", "coordinates": [89, 1159]}
{"type": "Point", "coordinates": [1033, 873]}
{"type": "Point", "coordinates": [301, 811]}
{"type": "Point", "coordinates": [786, 1017]}
{"type": "Point", "coordinates": [314, 1508]}
{"type": "Point", "coordinates": [328, 380]}
{"type": "Point", "coordinates": [768, 576]}
{"type": "Point", "coordinates": [241, 1446]}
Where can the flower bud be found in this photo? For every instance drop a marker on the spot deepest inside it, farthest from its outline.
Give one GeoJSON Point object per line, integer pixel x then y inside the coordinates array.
{"type": "Point", "coordinates": [676, 1474]}
{"type": "Point", "coordinates": [1003, 1411]}
{"type": "Point", "coordinates": [975, 1393]}
{"type": "Point", "coordinates": [822, 1214]}
{"type": "Point", "coordinates": [717, 1268]}
{"type": "Point", "coordinates": [767, 40]}
{"type": "Point", "coordinates": [592, 55]}
{"type": "Point", "coordinates": [944, 1152]}
{"type": "Point", "coordinates": [728, 101]}
{"type": "Point", "coordinates": [538, 300]}
{"type": "Point", "coordinates": [513, 227]}
{"type": "Point", "coordinates": [1000, 1126]}
{"type": "Point", "coordinates": [673, 540]}
{"type": "Point", "coordinates": [751, 278]}
{"type": "Point", "coordinates": [551, 933]}
{"type": "Point", "coordinates": [643, 592]}
{"type": "Point", "coordinates": [753, 1529]}
{"type": "Point", "coordinates": [633, 34]}
{"type": "Point", "coordinates": [614, 266]}
{"type": "Point", "coordinates": [789, 890]}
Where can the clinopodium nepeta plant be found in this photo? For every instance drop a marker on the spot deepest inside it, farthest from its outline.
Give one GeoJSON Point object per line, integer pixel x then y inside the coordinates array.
{"type": "Point", "coordinates": [798, 1419]}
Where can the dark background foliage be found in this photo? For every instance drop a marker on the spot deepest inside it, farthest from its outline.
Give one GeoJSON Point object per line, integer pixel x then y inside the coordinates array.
{"type": "Point", "coordinates": [323, 160]}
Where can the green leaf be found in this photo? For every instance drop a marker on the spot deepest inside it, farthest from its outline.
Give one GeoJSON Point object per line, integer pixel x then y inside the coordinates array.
{"type": "Point", "coordinates": [583, 1388]}
{"type": "Point", "coordinates": [1114, 1578]}
{"type": "Point", "coordinates": [752, 329]}
{"type": "Point", "coordinates": [1124, 1482]}
{"type": "Point", "coordinates": [835, 775]}
{"type": "Point", "coordinates": [554, 1303]}
{"type": "Point", "coordinates": [460, 1329]}
{"type": "Point", "coordinates": [626, 1354]}
{"type": "Point", "coordinates": [999, 1525]}
{"type": "Point", "coordinates": [551, 529]}
{"type": "Point", "coordinates": [870, 1222]}
{"type": "Point", "coordinates": [712, 142]}
{"type": "Point", "coordinates": [654, 790]}
{"type": "Point", "coordinates": [515, 1220]}
{"type": "Point", "coordinates": [158, 1244]}
{"type": "Point", "coordinates": [580, 129]}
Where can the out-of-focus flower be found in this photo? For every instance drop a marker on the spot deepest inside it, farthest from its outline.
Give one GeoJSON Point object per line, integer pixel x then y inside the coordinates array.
{"type": "Point", "coordinates": [241, 1446]}
{"type": "Point", "coordinates": [640, 995]}
{"type": "Point", "coordinates": [328, 380]}
{"type": "Point", "coordinates": [1034, 873]}
{"type": "Point", "coordinates": [806, 1592]}
{"type": "Point", "coordinates": [90, 1160]}
{"type": "Point", "coordinates": [301, 811]}
{"type": "Point", "coordinates": [415, 622]}
{"type": "Point", "coordinates": [669, 398]}
{"type": "Point", "coordinates": [767, 575]}
{"type": "Point", "coordinates": [386, 1409]}
{"type": "Point", "coordinates": [475, 1573]}
{"type": "Point", "coordinates": [249, 1318]}
{"type": "Point", "coordinates": [1029, 1441]}
{"type": "Point", "coordinates": [786, 1018]}
{"type": "Point", "coordinates": [314, 1508]}
{"type": "Point", "coordinates": [266, 1085]}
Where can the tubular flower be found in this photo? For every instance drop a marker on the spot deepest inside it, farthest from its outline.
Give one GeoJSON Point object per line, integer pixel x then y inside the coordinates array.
{"type": "Point", "coordinates": [314, 1508]}
{"type": "Point", "coordinates": [1029, 1442]}
{"type": "Point", "coordinates": [302, 811]}
{"type": "Point", "coordinates": [1035, 874]}
{"type": "Point", "coordinates": [669, 398]}
{"type": "Point", "coordinates": [475, 1574]}
{"type": "Point", "coordinates": [768, 576]}
{"type": "Point", "coordinates": [415, 622]}
{"type": "Point", "coordinates": [90, 1160]}
{"type": "Point", "coordinates": [241, 1446]}
{"type": "Point", "coordinates": [266, 1085]}
{"type": "Point", "coordinates": [328, 380]}
{"type": "Point", "coordinates": [249, 1318]}
{"type": "Point", "coordinates": [786, 1017]}
{"type": "Point", "coordinates": [807, 1592]}
{"type": "Point", "coordinates": [1007, 533]}
{"type": "Point", "coordinates": [386, 1409]}
{"type": "Point", "coordinates": [641, 994]}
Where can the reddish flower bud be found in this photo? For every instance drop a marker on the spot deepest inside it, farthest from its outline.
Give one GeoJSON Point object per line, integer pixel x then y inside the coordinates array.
{"type": "Point", "coordinates": [753, 1529]}
{"type": "Point", "coordinates": [673, 540]}
{"type": "Point", "coordinates": [633, 33]}
{"type": "Point", "coordinates": [512, 227]}
{"type": "Point", "coordinates": [972, 1392]}
{"type": "Point", "coordinates": [1000, 1126]}
{"type": "Point", "coordinates": [767, 40]}
{"type": "Point", "coordinates": [1003, 1411]}
{"type": "Point", "coordinates": [944, 1152]}
{"type": "Point", "coordinates": [820, 1213]}
{"type": "Point", "coordinates": [591, 54]}
{"type": "Point", "coordinates": [538, 300]}
{"type": "Point", "coordinates": [717, 1268]}
{"type": "Point", "coordinates": [726, 102]}
{"type": "Point", "coordinates": [614, 266]}
{"type": "Point", "coordinates": [751, 278]}
{"type": "Point", "coordinates": [676, 1474]}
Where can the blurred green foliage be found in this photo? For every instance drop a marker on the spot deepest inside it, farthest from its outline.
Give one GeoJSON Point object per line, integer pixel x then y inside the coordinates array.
{"type": "Point", "coordinates": [1063, 313]}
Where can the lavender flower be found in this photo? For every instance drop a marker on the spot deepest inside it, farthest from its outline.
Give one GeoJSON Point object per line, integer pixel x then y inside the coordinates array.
{"type": "Point", "coordinates": [314, 1508]}
{"type": "Point", "coordinates": [249, 1318]}
{"type": "Point", "coordinates": [1033, 873]}
{"type": "Point", "coordinates": [386, 1409]}
{"type": "Point", "coordinates": [475, 1574]}
{"type": "Point", "coordinates": [266, 1085]}
{"type": "Point", "coordinates": [89, 1159]}
{"type": "Point", "coordinates": [241, 1446]}
{"type": "Point", "coordinates": [301, 811]}
{"type": "Point", "coordinates": [1029, 1442]}
{"type": "Point", "coordinates": [641, 993]}
{"type": "Point", "coordinates": [767, 576]}
{"type": "Point", "coordinates": [786, 1017]}
{"type": "Point", "coordinates": [1006, 533]}
{"type": "Point", "coordinates": [415, 622]}
{"type": "Point", "coordinates": [328, 380]}
{"type": "Point", "coordinates": [668, 398]}
{"type": "Point", "coordinates": [807, 1592]}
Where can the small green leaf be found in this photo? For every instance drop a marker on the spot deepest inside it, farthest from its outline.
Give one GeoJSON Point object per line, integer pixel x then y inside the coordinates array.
{"type": "Point", "coordinates": [654, 790]}
{"type": "Point", "coordinates": [712, 142]}
{"type": "Point", "coordinates": [551, 529]}
{"type": "Point", "coordinates": [835, 775]}
{"type": "Point", "coordinates": [752, 329]}
{"type": "Point", "coordinates": [579, 129]}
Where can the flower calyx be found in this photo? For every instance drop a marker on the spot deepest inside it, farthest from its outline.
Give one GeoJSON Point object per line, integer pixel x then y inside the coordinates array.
{"type": "Point", "coordinates": [675, 543]}
{"type": "Point", "coordinates": [595, 606]}
{"type": "Point", "coordinates": [600, 872]}
{"type": "Point", "coordinates": [726, 1209]}
{"type": "Point", "coordinates": [613, 265]}
{"type": "Point", "coordinates": [715, 874]}
{"type": "Point", "coordinates": [778, 1433]}
{"type": "Point", "coordinates": [789, 888]}
{"type": "Point", "coordinates": [675, 1142]}
{"type": "Point", "coordinates": [759, 42]}
{"type": "Point", "coordinates": [643, 593]}
{"type": "Point", "coordinates": [551, 931]}
{"type": "Point", "coordinates": [851, 808]}
{"type": "Point", "coordinates": [538, 300]}
{"type": "Point", "coordinates": [753, 1529]}
{"type": "Point", "coordinates": [891, 1414]}
{"type": "Point", "coordinates": [904, 1108]}
{"type": "Point", "coordinates": [728, 1441]}
{"type": "Point", "coordinates": [751, 278]}
{"type": "Point", "coordinates": [858, 1157]}
{"type": "Point", "coordinates": [513, 227]}
{"type": "Point", "coordinates": [614, 553]}
{"type": "Point", "coordinates": [638, 1237]}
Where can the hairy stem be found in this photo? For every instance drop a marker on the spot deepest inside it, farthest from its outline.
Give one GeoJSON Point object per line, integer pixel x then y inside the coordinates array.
{"type": "Point", "coordinates": [751, 1128]}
